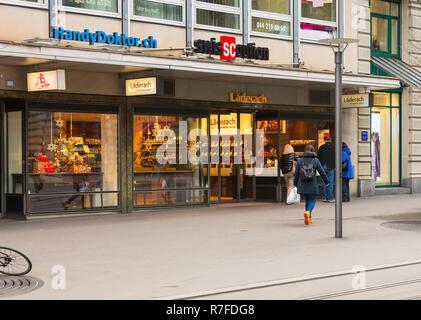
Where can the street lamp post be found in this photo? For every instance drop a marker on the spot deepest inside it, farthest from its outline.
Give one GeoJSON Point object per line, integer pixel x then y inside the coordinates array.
{"type": "Point", "coordinates": [338, 43]}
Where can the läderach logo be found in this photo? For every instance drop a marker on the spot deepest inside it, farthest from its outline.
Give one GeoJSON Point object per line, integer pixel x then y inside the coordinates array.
{"type": "Point", "coordinates": [102, 37]}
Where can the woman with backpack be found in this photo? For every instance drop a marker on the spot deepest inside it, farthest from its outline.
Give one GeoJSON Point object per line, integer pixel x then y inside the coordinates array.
{"type": "Point", "coordinates": [347, 171]}
{"type": "Point", "coordinates": [305, 180]}
{"type": "Point", "coordinates": [288, 163]}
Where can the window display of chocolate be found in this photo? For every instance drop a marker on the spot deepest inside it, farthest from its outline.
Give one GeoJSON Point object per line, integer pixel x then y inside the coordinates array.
{"type": "Point", "coordinates": [159, 177]}
{"type": "Point", "coordinates": [72, 160]}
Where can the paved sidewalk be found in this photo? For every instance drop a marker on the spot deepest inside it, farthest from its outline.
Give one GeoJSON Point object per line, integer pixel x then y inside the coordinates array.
{"type": "Point", "coordinates": [172, 252]}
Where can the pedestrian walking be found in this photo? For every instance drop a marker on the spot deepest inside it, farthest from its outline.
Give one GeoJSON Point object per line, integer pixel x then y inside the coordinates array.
{"type": "Point", "coordinates": [305, 180]}
{"type": "Point", "coordinates": [326, 155]}
{"type": "Point", "coordinates": [288, 163]}
{"type": "Point", "coordinates": [347, 171]}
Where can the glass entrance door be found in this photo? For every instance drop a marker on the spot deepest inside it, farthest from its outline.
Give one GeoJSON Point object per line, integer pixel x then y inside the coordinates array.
{"type": "Point", "coordinates": [232, 174]}
{"type": "Point", "coordinates": [385, 139]}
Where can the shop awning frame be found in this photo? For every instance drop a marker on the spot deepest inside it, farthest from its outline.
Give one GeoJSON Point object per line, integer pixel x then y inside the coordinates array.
{"type": "Point", "coordinates": [191, 64]}
{"type": "Point", "coordinates": [397, 68]}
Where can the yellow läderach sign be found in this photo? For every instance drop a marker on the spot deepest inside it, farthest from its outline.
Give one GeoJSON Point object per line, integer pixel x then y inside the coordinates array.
{"type": "Point", "coordinates": [237, 97]}
{"type": "Point", "coordinates": [143, 86]}
{"type": "Point", "coordinates": [357, 100]}
{"type": "Point", "coordinates": [46, 80]}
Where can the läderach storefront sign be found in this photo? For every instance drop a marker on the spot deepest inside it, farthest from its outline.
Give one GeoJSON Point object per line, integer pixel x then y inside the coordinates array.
{"type": "Point", "coordinates": [237, 97]}
{"type": "Point", "coordinates": [361, 100]}
{"type": "Point", "coordinates": [144, 86]}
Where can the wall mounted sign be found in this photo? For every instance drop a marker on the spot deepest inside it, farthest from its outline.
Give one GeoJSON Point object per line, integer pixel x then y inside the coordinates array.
{"type": "Point", "coordinates": [102, 37]}
{"type": "Point", "coordinates": [357, 100]}
{"type": "Point", "coordinates": [364, 135]}
{"type": "Point", "coordinates": [237, 97]}
{"type": "Point", "coordinates": [46, 80]}
{"type": "Point", "coordinates": [10, 83]}
{"type": "Point", "coordinates": [144, 86]}
{"type": "Point", "coordinates": [229, 50]}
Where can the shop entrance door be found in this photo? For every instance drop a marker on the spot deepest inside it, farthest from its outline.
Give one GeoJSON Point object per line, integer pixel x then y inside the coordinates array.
{"type": "Point", "coordinates": [231, 174]}
{"type": "Point", "coordinates": [1, 157]}
{"type": "Point", "coordinates": [385, 139]}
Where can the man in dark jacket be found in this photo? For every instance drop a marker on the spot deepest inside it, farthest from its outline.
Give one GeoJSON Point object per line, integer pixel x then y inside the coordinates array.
{"type": "Point", "coordinates": [309, 189]}
{"type": "Point", "coordinates": [326, 156]}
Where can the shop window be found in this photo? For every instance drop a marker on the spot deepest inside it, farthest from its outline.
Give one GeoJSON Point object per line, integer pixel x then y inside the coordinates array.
{"type": "Point", "coordinates": [224, 14]}
{"type": "Point", "coordinates": [161, 10]}
{"type": "Point", "coordinates": [14, 152]}
{"type": "Point", "coordinates": [102, 6]}
{"type": "Point", "coordinates": [170, 160]}
{"type": "Point", "coordinates": [385, 139]}
{"type": "Point", "coordinates": [385, 28]}
{"type": "Point", "coordinates": [318, 19]}
{"type": "Point", "coordinates": [271, 17]}
{"type": "Point", "coordinates": [29, 3]}
{"type": "Point", "coordinates": [319, 10]}
{"type": "Point", "coordinates": [72, 161]}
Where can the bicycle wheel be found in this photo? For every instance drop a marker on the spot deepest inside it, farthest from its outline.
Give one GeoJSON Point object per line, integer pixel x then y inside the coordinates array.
{"type": "Point", "coordinates": [13, 262]}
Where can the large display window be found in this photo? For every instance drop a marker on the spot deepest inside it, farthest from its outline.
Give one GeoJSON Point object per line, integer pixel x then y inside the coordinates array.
{"type": "Point", "coordinates": [170, 159]}
{"type": "Point", "coordinates": [385, 139]}
{"type": "Point", "coordinates": [72, 161]}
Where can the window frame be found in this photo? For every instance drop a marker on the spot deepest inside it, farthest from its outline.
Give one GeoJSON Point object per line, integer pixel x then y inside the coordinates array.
{"type": "Point", "coordinates": [333, 24]}
{"type": "Point", "coordinates": [35, 5]}
{"type": "Point", "coordinates": [272, 16]}
{"type": "Point", "coordinates": [218, 8]}
{"type": "Point", "coordinates": [139, 18]}
{"type": "Point", "coordinates": [93, 12]}
{"type": "Point", "coordinates": [389, 19]}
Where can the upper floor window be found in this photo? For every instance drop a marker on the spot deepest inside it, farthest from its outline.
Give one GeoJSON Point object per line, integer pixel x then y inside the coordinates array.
{"type": "Point", "coordinates": [318, 19]}
{"type": "Point", "coordinates": [319, 10]}
{"type": "Point", "coordinates": [385, 26]}
{"type": "Point", "coordinates": [271, 17]}
{"type": "Point", "coordinates": [104, 6]}
{"type": "Point", "coordinates": [169, 10]}
{"type": "Point", "coordinates": [219, 14]}
{"type": "Point", "coordinates": [28, 3]}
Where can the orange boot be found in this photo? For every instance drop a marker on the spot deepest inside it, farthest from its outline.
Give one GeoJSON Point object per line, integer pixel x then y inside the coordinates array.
{"type": "Point", "coordinates": [310, 219]}
{"type": "Point", "coordinates": [307, 217]}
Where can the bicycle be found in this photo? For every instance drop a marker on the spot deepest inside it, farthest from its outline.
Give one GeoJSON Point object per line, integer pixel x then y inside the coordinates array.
{"type": "Point", "coordinates": [13, 262]}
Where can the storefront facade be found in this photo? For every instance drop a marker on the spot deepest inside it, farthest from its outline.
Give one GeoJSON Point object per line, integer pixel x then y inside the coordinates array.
{"type": "Point", "coordinates": [91, 145]}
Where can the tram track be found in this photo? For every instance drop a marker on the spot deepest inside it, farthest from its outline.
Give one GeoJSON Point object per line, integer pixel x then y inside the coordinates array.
{"type": "Point", "coordinates": [392, 281]}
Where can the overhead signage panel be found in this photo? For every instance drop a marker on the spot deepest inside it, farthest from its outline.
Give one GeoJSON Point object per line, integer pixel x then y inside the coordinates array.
{"type": "Point", "coordinates": [227, 49]}
{"type": "Point", "coordinates": [357, 100]}
{"type": "Point", "coordinates": [144, 86]}
{"type": "Point", "coordinates": [46, 80]}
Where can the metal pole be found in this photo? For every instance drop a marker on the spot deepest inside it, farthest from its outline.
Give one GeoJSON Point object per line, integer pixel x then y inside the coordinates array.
{"type": "Point", "coordinates": [338, 143]}
{"type": "Point", "coordinates": [296, 34]}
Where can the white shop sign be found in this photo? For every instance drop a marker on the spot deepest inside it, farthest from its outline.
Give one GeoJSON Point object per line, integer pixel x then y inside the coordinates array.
{"type": "Point", "coordinates": [46, 80]}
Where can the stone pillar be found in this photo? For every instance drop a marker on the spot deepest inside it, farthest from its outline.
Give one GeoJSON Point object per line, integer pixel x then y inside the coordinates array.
{"type": "Point", "coordinates": [362, 22]}
{"type": "Point", "coordinates": [412, 175]}
{"type": "Point", "coordinates": [365, 182]}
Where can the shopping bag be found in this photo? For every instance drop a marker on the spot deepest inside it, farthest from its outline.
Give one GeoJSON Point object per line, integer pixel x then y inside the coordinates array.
{"type": "Point", "coordinates": [293, 196]}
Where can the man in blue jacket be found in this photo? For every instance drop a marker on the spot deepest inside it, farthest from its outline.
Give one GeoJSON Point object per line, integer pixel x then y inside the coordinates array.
{"type": "Point", "coordinates": [347, 171]}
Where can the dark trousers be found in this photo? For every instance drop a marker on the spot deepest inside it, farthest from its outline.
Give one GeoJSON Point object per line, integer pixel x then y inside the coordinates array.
{"type": "Point", "coordinates": [345, 189]}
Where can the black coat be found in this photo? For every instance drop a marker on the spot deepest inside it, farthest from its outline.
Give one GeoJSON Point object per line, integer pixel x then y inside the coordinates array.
{"type": "Point", "coordinates": [313, 186]}
{"type": "Point", "coordinates": [326, 155]}
{"type": "Point", "coordinates": [287, 162]}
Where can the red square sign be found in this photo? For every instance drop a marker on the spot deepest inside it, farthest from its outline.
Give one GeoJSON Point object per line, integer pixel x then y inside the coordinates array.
{"type": "Point", "coordinates": [228, 48]}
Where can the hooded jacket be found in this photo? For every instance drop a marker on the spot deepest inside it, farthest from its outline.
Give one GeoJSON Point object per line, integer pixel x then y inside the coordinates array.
{"type": "Point", "coordinates": [313, 186]}
{"type": "Point", "coordinates": [346, 154]}
{"type": "Point", "coordinates": [326, 155]}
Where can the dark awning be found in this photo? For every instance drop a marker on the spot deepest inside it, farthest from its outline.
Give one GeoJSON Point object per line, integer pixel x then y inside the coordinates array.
{"type": "Point", "coordinates": [399, 69]}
